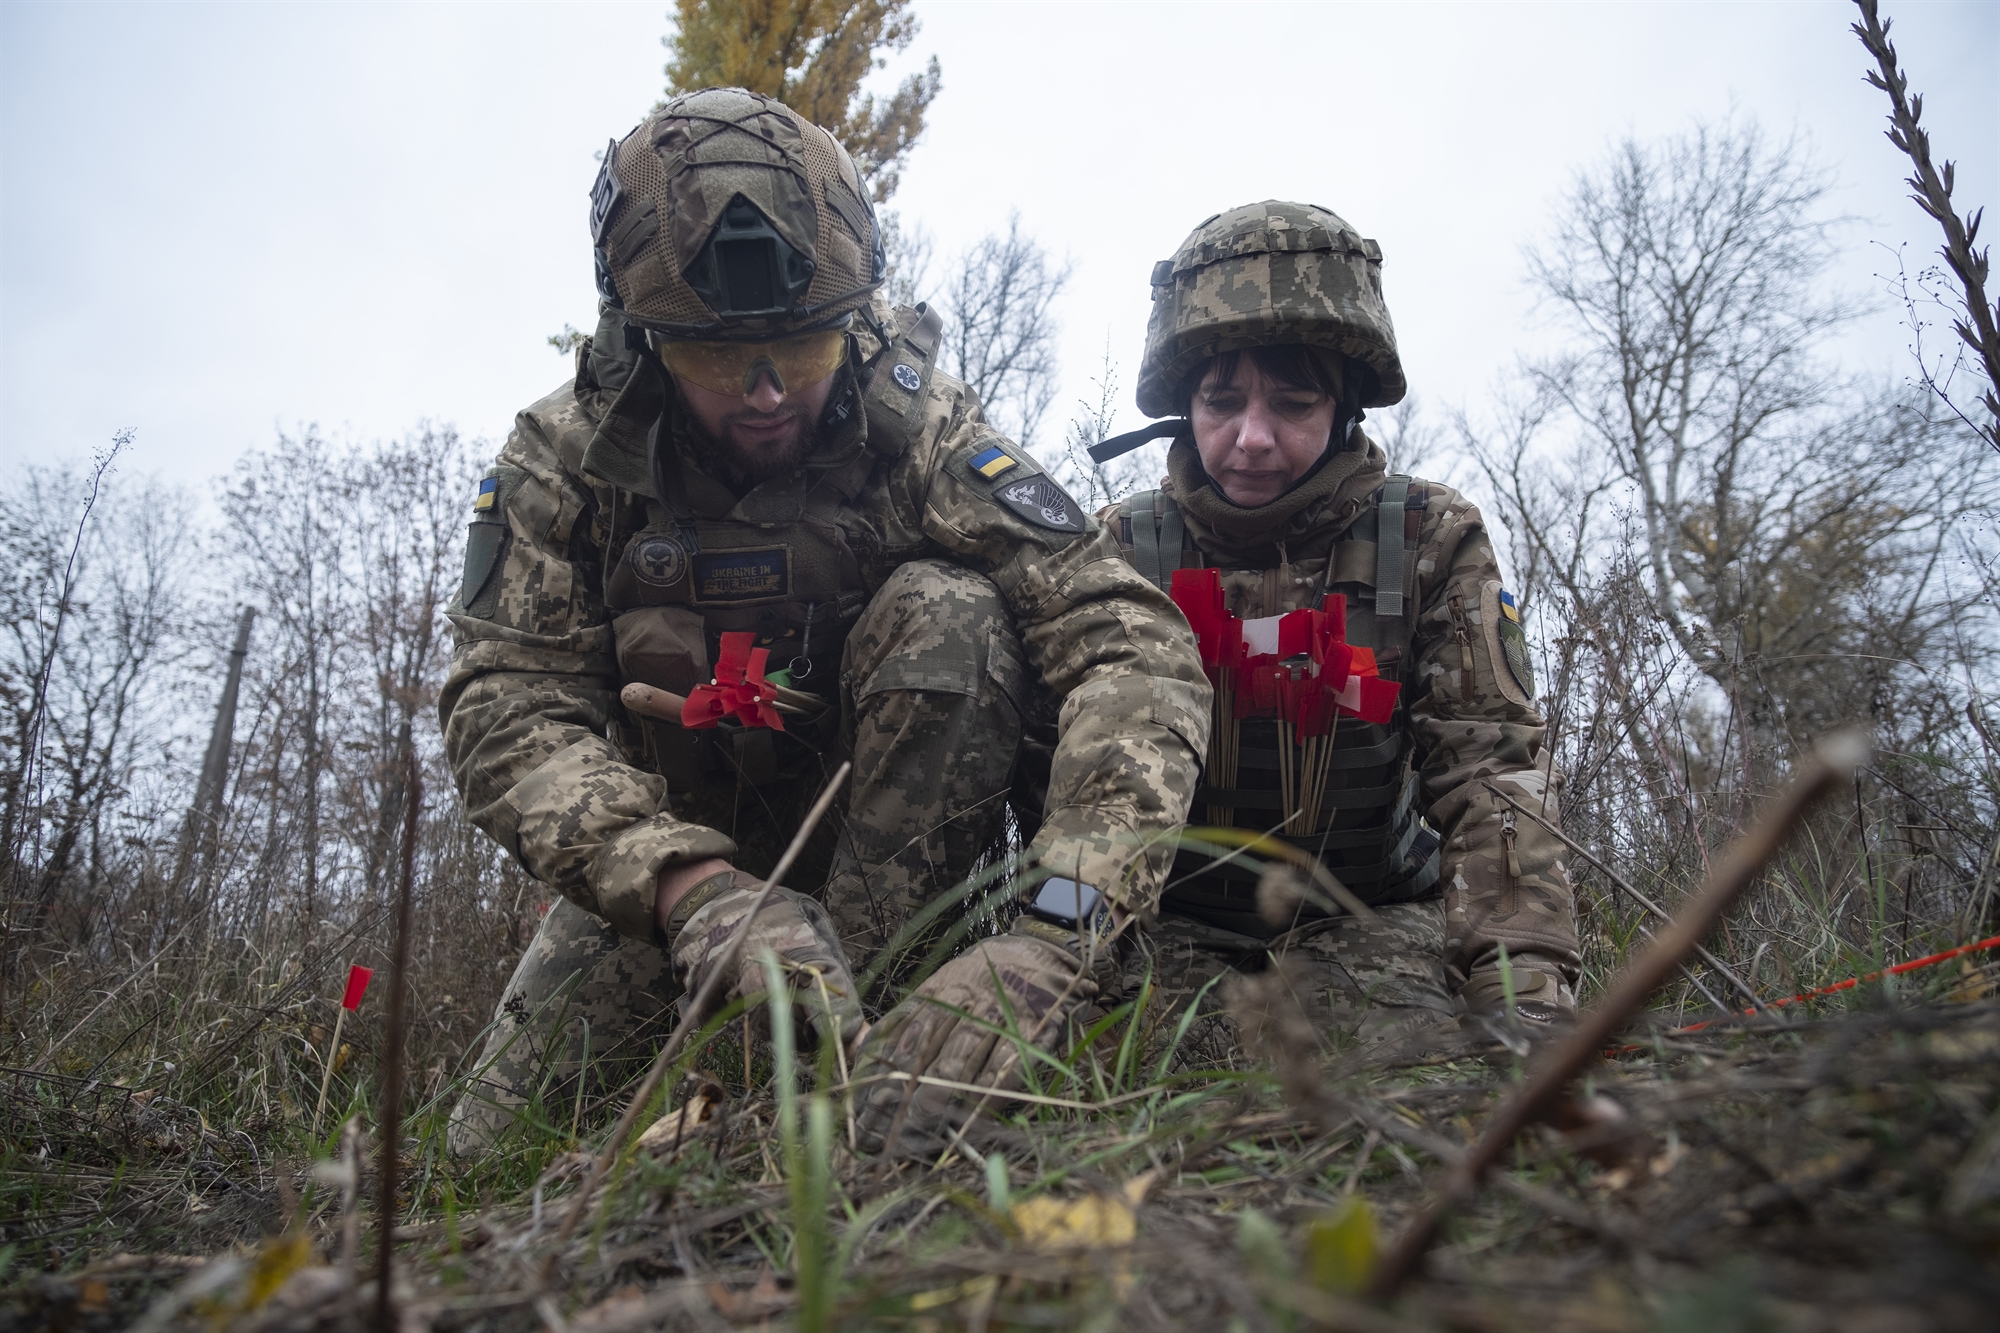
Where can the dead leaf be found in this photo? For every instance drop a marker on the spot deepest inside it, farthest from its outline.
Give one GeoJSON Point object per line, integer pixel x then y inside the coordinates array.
{"type": "Point", "coordinates": [1095, 1221]}
{"type": "Point", "coordinates": [664, 1136]}
{"type": "Point", "coordinates": [1342, 1248]}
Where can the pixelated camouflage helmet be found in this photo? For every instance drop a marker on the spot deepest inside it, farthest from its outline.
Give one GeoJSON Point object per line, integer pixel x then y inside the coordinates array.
{"type": "Point", "coordinates": [728, 216]}
{"type": "Point", "coordinates": [1262, 275]}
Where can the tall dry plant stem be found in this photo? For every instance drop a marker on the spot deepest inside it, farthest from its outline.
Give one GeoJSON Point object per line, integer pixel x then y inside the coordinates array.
{"type": "Point", "coordinates": [1657, 912]}
{"type": "Point", "coordinates": [1932, 193]}
{"type": "Point", "coordinates": [690, 1019]}
{"type": "Point", "coordinates": [1831, 766]}
{"type": "Point", "coordinates": [391, 1119]}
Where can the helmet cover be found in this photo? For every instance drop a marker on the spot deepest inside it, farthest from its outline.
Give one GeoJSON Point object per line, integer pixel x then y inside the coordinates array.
{"type": "Point", "coordinates": [1263, 275]}
{"type": "Point", "coordinates": [727, 216]}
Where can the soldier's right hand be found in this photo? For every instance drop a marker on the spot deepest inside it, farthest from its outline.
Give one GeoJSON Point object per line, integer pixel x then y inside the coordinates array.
{"type": "Point", "coordinates": [791, 925]}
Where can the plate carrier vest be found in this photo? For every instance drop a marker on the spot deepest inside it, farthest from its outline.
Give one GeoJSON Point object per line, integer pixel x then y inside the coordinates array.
{"type": "Point", "coordinates": [1377, 842]}
{"type": "Point", "coordinates": [794, 563]}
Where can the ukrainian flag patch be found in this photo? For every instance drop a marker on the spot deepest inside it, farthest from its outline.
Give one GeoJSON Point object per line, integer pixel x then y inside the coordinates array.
{"type": "Point", "coordinates": [1507, 607]}
{"type": "Point", "coordinates": [487, 496]}
{"type": "Point", "coordinates": [990, 463]}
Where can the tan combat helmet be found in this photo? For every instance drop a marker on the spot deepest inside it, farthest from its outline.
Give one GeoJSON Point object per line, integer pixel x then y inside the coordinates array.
{"type": "Point", "coordinates": [727, 216]}
{"type": "Point", "coordinates": [1266, 274]}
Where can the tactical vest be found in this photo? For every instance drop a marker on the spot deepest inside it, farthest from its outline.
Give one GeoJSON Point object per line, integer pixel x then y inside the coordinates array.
{"type": "Point", "coordinates": [794, 562]}
{"type": "Point", "coordinates": [1377, 842]}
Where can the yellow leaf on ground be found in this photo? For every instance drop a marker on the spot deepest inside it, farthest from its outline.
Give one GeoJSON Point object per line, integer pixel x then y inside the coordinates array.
{"type": "Point", "coordinates": [1094, 1221]}
{"type": "Point", "coordinates": [278, 1260]}
{"type": "Point", "coordinates": [1342, 1248]}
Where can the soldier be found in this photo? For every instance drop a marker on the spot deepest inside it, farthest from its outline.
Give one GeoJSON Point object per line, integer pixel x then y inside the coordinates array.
{"type": "Point", "coordinates": [754, 444]}
{"type": "Point", "coordinates": [1267, 340]}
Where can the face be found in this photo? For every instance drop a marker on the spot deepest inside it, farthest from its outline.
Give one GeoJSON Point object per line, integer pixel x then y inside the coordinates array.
{"type": "Point", "coordinates": [767, 433]}
{"type": "Point", "coordinates": [1256, 436]}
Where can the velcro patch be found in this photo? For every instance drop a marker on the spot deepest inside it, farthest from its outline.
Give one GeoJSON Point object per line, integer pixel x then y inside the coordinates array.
{"type": "Point", "coordinates": [742, 576]}
{"type": "Point", "coordinates": [993, 462]}
{"type": "Point", "coordinates": [488, 492]}
{"type": "Point", "coordinates": [1043, 503]}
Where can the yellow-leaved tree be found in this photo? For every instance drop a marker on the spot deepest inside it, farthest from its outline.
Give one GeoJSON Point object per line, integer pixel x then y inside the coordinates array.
{"type": "Point", "coordinates": [812, 55]}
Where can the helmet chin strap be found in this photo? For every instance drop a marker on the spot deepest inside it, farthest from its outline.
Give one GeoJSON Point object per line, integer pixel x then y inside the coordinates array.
{"type": "Point", "coordinates": [1106, 450]}
{"type": "Point", "coordinates": [1346, 418]}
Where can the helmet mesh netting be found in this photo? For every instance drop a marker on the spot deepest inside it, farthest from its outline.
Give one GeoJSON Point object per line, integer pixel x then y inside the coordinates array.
{"type": "Point", "coordinates": [641, 174]}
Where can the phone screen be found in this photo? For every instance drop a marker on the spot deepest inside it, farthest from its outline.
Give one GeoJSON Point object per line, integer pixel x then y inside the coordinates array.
{"type": "Point", "coordinates": [1066, 900]}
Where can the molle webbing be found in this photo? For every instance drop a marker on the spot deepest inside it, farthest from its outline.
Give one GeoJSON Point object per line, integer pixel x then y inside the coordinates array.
{"type": "Point", "coordinates": [1376, 840]}
{"type": "Point", "coordinates": [1389, 547]}
{"type": "Point", "coordinates": [1157, 537]}
{"type": "Point", "coordinates": [899, 381]}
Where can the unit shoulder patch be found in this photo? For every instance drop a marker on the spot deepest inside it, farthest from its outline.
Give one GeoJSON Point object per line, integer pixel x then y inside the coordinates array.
{"type": "Point", "coordinates": [1043, 503]}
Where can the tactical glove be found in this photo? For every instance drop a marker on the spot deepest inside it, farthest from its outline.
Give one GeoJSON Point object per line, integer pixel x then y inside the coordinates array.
{"type": "Point", "coordinates": [967, 1024]}
{"type": "Point", "coordinates": [791, 925]}
{"type": "Point", "coordinates": [1542, 994]}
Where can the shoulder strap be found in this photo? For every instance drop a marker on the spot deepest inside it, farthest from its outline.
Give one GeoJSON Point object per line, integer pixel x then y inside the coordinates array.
{"type": "Point", "coordinates": [1158, 531]}
{"type": "Point", "coordinates": [1389, 553]}
{"type": "Point", "coordinates": [899, 380]}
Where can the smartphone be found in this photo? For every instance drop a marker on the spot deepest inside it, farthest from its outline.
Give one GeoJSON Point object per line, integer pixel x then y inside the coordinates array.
{"type": "Point", "coordinates": [1066, 902]}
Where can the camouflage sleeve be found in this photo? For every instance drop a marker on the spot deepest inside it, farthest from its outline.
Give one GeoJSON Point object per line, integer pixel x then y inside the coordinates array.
{"type": "Point", "coordinates": [533, 675]}
{"type": "Point", "coordinates": [1108, 644]}
{"type": "Point", "coordinates": [1473, 710]}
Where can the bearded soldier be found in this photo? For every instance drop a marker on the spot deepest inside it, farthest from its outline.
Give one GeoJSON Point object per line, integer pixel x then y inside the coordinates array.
{"type": "Point", "coordinates": [1267, 340]}
{"type": "Point", "coordinates": [754, 445]}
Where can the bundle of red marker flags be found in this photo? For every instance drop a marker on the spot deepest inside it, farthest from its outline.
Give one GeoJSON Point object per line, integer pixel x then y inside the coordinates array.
{"type": "Point", "coordinates": [739, 689]}
{"type": "Point", "coordinates": [1298, 667]}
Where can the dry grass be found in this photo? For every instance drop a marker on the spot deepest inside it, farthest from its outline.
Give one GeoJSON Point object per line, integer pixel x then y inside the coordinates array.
{"type": "Point", "coordinates": [1840, 1171]}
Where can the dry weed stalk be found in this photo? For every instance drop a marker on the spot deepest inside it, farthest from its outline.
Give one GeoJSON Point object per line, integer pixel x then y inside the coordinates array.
{"type": "Point", "coordinates": [1832, 765]}
{"type": "Point", "coordinates": [1931, 191]}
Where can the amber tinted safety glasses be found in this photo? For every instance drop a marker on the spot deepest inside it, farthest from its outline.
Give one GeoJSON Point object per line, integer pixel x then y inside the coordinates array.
{"type": "Point", "coordinates": [734, 368]}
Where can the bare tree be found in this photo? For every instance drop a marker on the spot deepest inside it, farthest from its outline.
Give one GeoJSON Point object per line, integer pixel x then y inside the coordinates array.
{"type": "Point", "coordinates": [288, 524]}
{"type": "Point", "coordinates": [96, 606]}
{"type": "Point", "coordinates": [1724, 545]}
{"type": "Point", "coordinates": [1001, 330]}
{"type": "Point", "coordinates": [907, 247]}
{"type": "Point", "coordinates": [1099, 484]}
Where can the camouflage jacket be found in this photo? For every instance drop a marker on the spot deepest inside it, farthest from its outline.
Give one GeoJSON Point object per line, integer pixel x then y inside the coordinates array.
{"type": "Point", "coordinates": [530, 705]}
{"type": "Point", "coordinates": [1468, 693]}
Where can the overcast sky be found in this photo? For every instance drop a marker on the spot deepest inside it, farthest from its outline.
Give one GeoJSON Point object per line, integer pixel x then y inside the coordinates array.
{"type": "Point", "coordinates": [217, 221]}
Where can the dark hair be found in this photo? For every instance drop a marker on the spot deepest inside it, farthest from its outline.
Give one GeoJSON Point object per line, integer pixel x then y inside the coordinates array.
{"type": "Point", "coordinates": [1290, 364]}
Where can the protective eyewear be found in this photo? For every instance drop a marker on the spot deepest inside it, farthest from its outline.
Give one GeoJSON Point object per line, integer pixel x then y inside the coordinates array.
{"type": "Point", "coordinates": [734, 368]}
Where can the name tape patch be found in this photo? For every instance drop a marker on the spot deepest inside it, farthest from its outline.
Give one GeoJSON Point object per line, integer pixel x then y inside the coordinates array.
{"type": "Point", "coordinates": [741, 576]}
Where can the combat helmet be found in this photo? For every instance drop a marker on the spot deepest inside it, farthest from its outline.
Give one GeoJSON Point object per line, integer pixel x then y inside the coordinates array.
{"type": "Point", "coordinates": [726, 216]}
{"type": "Point", "coordinates": [1265, 274]}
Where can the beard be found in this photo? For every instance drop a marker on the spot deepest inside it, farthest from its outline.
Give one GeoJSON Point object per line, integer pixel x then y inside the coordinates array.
{"type": "Point", "coordinates": [747, 453]}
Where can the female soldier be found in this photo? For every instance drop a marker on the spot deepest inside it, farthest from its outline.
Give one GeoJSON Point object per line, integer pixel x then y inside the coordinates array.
{"type": "Point", "coordinates": [1268, 338]}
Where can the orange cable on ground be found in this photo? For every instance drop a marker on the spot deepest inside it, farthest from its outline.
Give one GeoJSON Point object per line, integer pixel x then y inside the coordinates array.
{"type": "Point", "coordinates": [1992, 942]}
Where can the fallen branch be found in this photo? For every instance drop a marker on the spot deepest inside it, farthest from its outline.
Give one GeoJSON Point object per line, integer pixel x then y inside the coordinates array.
{"type": "Point", "coordinates": [1831, 764]}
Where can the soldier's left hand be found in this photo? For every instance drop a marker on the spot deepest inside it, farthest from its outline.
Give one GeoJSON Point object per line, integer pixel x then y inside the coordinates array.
{"type": "Point", "coordinates": [970, 1024]}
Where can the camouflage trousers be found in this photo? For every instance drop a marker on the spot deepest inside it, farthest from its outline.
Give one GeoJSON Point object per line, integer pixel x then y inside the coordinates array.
{"type": "Point", "coordinates": [1379, 987]}
{"type": "Point", "coordinates": [942, 720]}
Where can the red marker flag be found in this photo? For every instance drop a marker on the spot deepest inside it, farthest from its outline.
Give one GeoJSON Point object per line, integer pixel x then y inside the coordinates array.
{"type": "Point", "coordinates": [739, 689]}
{"type": "Point", "coordinates": [357, 986]}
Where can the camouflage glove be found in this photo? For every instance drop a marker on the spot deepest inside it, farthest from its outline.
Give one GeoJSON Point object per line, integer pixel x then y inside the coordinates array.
{"type": "Point", "coordinates": [1042, 981]}
{"type": "Point", "coordinates": [1542, 995]}
{"type": "Point", "coordinates": [790, 925]}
